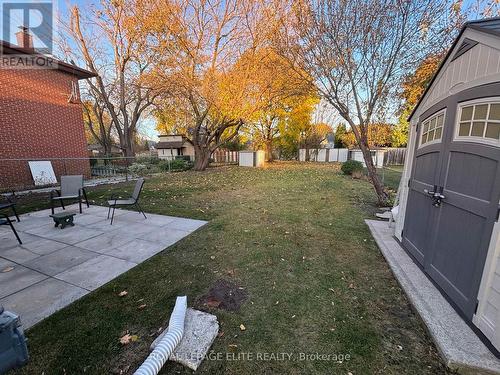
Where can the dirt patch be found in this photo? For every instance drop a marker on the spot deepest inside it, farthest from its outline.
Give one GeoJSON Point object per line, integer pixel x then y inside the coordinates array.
{"type": "Point", "coordinates": [224, 295]}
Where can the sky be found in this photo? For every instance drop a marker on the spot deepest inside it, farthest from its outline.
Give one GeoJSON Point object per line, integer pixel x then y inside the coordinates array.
{"type": "Point", "coordinates": [147, 127]}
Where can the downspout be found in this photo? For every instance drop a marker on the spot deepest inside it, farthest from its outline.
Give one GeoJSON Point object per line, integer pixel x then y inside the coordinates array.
{"type": "Point", "coordinates": [155, 361]}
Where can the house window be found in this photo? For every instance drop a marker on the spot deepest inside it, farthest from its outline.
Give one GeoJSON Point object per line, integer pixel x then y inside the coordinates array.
{"type": "Point", "coordinates": [479, 121]}
{"type": "Point", "coordinates": [432, 129]}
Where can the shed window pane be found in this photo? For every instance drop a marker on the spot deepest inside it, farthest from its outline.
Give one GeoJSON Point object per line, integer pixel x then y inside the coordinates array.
{"type": "Point", "coordinates": [426, 127]}
{"type": "Point", "coordinates": [477, 129]}
{"type": "Point", "coordinates": [440, 121]}
{"type": "Point", "coordinates": [464, 129]}
{"type": "Point", "coordinates": [493, 130]}
{"type": "Point", "coordinates": [437, 135]}
{"type": "Point", "coordinates": [480, 112]}
{"type": "Point", "coordinates": [466, 113]}
{"type": "Point", "coordinates": [430, 136]}
{"type": "Point", "coordinates": [432, 125]}
{"type": "Point", "coordinates": [494, 112]}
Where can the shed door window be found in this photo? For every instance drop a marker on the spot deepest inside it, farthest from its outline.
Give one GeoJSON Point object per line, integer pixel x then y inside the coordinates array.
{"type": "Point", "coordinates": [432, 129]}
{"type": "Point", "coordinates": [479, 122]}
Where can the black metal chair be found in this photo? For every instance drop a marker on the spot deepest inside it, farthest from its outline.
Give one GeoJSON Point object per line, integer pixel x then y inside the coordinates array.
{"type": "Point", "coordinates": [71, 189]}
{"type": "Point", "coordinates": [132, 201]}
{"type": "Point", "coordinates": [7, 221]}
{"type": "Point", "coordinates": [11, 203]}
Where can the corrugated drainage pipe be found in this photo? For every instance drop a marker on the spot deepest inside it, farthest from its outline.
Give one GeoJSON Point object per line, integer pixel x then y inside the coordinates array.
{"type": "Point", "coordinates": [167, 344]}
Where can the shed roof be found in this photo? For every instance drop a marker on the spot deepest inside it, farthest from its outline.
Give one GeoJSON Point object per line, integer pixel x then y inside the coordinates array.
{"type": "Point", "coordinates": [488, 25]}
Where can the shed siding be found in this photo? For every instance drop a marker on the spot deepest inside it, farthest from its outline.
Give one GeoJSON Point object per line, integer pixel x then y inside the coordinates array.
{"type": "Point", "coordinates": [480, 63]}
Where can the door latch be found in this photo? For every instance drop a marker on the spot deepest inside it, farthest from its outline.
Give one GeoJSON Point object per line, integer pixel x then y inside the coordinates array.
{"type": "Point", "coordinates": [436, 196]}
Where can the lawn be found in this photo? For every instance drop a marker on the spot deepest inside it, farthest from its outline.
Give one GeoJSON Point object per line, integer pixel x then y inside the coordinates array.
{"type": "Point", "coordinates": [293, 236]}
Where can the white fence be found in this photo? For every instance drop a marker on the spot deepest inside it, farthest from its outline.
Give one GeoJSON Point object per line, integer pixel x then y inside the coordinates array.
{"type": "Point", "coordinates": [381, 157]}
{"type": "Point", "coordinates": [325, 154]}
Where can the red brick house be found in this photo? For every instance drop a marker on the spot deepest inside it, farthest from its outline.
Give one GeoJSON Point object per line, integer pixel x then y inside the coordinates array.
{"type": "Point", "coordinates": [40, 116]}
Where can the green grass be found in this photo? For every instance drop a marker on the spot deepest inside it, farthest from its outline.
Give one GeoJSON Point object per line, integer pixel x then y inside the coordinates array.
{"type": "Point", "coordinates": [293, 236]}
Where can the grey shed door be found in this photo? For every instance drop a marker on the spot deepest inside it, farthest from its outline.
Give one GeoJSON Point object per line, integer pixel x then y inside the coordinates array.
{"type": "Point", "coordinates": [450, 241]}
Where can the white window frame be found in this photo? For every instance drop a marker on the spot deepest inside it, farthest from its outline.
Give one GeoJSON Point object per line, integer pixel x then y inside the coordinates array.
{"type": "Point", "coordinates": [429, 118]}
{"type": "Point", "coordinates": [475, 139]}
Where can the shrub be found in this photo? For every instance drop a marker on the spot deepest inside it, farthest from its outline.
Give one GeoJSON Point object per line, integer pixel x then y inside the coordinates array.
{"type": "Point", "coordinates": [138, 168]}
{"type": "Point", "coordinates": [147, 160]}
{"type": "Point", "coordinates": [175, 165]}
{"type": "Point", "coordinates": [352, 167]}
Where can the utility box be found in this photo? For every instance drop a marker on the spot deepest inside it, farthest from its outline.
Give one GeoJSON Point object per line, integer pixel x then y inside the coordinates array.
{"type": "Point", "coordinates": [13, 349]}
{"type": "Point", "coordinates": [252, 158]}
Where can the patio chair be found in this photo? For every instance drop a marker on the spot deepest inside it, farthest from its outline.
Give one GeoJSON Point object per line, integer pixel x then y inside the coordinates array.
{"type": "Point", "coordinates": [71, 188]}
{"type": "Point", "coordinates": [6, 221]}
{"type": "Point", "coordinates": [132, 201]}
{"type": "Point", "coordinates": [11, 203]}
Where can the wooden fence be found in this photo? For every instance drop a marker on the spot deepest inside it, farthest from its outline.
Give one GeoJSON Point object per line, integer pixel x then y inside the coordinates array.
{"type": "Point", "coordinates": [395, 156]}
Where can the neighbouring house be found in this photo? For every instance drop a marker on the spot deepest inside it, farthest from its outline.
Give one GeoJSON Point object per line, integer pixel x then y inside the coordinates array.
{"type": "Point", "coordinates": [448, 217]}
{"type": "Point", "coordinates": [41, 115]}
{"type": "Point", "coordinates": [170, 146]}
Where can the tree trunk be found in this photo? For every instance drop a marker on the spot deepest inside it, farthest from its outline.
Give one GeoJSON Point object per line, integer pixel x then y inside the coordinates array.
{"type": "Point", "coordinates": [269, 151]}
{"type": "Point", "coordinates": [201, 158]}
{"type": "Point", "coordinates": [373, 176]}
{"type": "Point", "coordinates": [307, 157]}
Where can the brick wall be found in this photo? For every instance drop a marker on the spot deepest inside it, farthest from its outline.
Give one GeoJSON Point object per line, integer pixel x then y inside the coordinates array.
{"type": "Point", "coordinates": [36, 121]}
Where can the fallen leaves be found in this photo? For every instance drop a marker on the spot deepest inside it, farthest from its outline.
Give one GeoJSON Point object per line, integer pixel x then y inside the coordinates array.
{"type": "Point", "coordinates": [123, 293]}
{"type": "Point", "coordinates": [127, 339]}
{"type": "Point", "coordinates": [140, 307]}
{"type": "Point", "coordinates": [242, 327]}
{"type": "Point", "coordinates": [7, 269]}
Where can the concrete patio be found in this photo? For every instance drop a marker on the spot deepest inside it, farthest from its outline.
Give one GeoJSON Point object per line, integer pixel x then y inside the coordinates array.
{"type": "Point", "coordinates": [54, 267]}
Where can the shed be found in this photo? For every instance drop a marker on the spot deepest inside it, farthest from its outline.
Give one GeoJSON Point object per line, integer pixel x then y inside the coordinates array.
{"type": "Point", "coordinates": [252, 158]}
{"type": "Point", "coordinates": [450, 188]}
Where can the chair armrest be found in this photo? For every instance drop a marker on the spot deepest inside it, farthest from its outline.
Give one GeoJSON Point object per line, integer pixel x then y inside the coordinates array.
{"type": "Point", "coordinates": [54, 191]}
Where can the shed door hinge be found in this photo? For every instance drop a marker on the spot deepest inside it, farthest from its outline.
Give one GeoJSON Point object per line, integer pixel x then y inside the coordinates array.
{"type": "Point", "coordinates": [475, 309]}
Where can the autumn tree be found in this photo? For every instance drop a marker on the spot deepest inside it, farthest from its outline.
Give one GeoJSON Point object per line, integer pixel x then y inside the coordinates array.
{"type": "Point", "coordinates": [412, 88]}
{"type": "Point", "coordinates": [379, 135]}
{"type": "Point", "coordinates": [98, 124]}
{"type": "Point", "coordinates": [340, 131]}
{"type": "Point", "coordinates": [356, 52]}
{"type": "Point", "coordinates": [201, 68]}
{"type": "Point", "coordinates": [104, 39]}
{"type": "Point", "coordinates": [281, 91]}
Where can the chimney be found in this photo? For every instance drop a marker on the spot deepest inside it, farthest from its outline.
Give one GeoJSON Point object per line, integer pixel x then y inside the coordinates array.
{"type": "Point", "coordinates": [24, 38]}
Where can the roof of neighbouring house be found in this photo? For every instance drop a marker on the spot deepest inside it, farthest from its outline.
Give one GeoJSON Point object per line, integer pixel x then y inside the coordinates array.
{"type": "Point", "coordinates": [172, 144]}
{"type": "Point", "coordinates": [489, 25]}
{"type": "Point", "coordinates": [7, 48]}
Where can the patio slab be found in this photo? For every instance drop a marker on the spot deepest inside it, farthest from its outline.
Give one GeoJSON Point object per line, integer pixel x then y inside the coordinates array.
{"type": "Point", "coordinates": [459, 346]}
{"type": "Point", "coordinates": [54, 267]}
{"type": "Point", "coordinates": [95, 272]}
{"type": "Point", "coordinates": [42, 300]}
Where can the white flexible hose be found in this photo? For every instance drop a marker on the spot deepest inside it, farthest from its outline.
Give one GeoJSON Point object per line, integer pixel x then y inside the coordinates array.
{"type": "Point", "coordinates": [167, 344]}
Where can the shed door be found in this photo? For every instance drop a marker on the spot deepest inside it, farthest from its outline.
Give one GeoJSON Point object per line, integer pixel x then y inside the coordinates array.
{"type": "Point", "coordinates": [450, 238]}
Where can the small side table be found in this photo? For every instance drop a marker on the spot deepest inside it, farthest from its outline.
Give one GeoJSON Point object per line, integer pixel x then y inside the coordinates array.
{"type": "Point", "coordinates": [63, 219]}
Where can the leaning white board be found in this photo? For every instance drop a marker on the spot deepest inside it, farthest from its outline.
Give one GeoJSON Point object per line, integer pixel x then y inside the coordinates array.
{"type": "Point", "coordinates": [42, 172]}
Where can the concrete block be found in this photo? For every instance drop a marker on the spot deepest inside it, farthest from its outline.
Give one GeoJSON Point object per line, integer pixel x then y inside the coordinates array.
{"type": "Point", "coordinates": [200, 331]}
